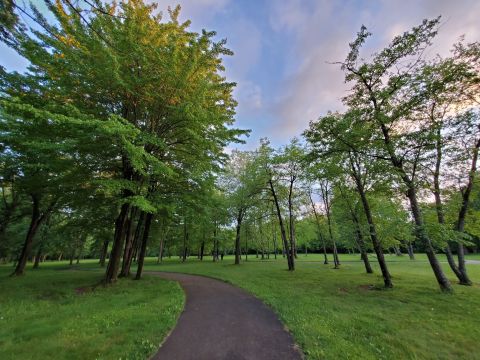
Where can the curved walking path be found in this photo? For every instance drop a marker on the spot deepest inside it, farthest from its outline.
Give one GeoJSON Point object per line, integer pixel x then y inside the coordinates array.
{"type": "Point", "coordinates": [221, 321]}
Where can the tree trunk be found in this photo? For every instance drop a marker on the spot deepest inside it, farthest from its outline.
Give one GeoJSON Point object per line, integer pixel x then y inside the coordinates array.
{"type": "Point", "coordinates": [326, 202]}
{"type": "Point", "coordinates": [423, 237]}
{"type": "Point", "coordinates": [32, 230]}
{"type": "Point", "coordinates": [246, 244]}
{"type": "Point", "coordinates": [361, 247]}
{"type": "Point", "coordinates": [38, 257]}
{"type": "Point", "coordinates": [416, 213]}
{"type": "Point", "coordinates": [377, 246]}
{"type": "Point", "coordinates": [202, 249]}
{"type": "Point", "coordinates": [143, 248]}
{"type": "Point", "coordinates": [103, 252]}
{"type": "Point", "coordinates": [274, 238]}
{"type": "Point", "coordinates": [132, 241]}
{"type": "Point", "coordinates": [215, 243]}
{"type": "Point", "coordinates": [118, 239]}
{"type": "Point", "coordinates": [288, 253]}
{"type": "Point", "coordinates": [237, 237]}
{"type": "Point", "coordinates": [336, 261]}
{"type": "Point", "coordinates": [410, 251]}
{"type": "Point", "coordinates": [439, 204]}
{"type": "Point", "coordinates": [127, 248]}
{"type": "Point", "coordinates": [160, 250]}
{"type": "Point", "coordinates": [460, 226]}
{"type": "Point", "coordinates": [322, 239]}
{"type": "Point", "coordinates": [293, 247]}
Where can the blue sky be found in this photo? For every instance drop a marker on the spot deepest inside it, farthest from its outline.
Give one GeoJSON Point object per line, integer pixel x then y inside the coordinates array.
{"type": "Point", "coordinates": [283, 49]}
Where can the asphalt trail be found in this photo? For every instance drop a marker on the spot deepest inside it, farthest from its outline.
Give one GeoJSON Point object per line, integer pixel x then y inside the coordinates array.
{"type": "Point", "coordinates": [221, 321]}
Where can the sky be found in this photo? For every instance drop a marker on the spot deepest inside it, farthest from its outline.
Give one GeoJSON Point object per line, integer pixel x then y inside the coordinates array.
{"type": "Point", "coordinates": [284, 50]}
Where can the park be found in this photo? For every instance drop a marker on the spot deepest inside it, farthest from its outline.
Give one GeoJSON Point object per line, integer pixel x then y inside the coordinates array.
{"type": "Point", "coordinates": [167, 196]}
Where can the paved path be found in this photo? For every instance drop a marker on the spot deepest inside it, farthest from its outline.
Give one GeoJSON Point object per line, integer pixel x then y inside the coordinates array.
{"type": "Point", "coordinates": [221, 321]}
{"type": "Point", "coordinates": [472, 261]}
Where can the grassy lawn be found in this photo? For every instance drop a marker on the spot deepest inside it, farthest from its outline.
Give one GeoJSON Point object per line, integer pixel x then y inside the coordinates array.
{"type": "Point", "coordinates": [341, 314]}
{"type": "Point", "coordinates": [333, 314]}
{"type": "Point", "coordinates": [52, 313]}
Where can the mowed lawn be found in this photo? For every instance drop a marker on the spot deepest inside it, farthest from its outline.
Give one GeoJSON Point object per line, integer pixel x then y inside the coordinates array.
{"type": "Point", "coordinates": [54, 313]}
{"type": "Point", "coordinates": [333, 314]}
{"type": "Point", "coordinates": [344, 314]}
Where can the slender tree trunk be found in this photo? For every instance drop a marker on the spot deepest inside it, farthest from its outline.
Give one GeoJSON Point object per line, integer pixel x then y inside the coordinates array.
{"type": "Point", "coordinates": [317, 220]}
{"type": "Point", "coordinates": [127, 249]}
{"type": "Point", "coordinates": [274, 243]}
{"type": "Point", "coordinates": [290, 260]}
{"type": "Point", "coordinates": [160, 250]}
{"type": "Point", "coordinates": [143, 248]}
{"type": "Point", "coordinates": [460, 225]}
{"type": "Point", "coordinates": [421, 235]}
{"type": "Point", "coordinates": [38, 257]}
{"type": "Point", "coordinates": [246, 244]}
{"type": "Point", "coordinates": [377, 246]}
{"type": "Point", "coordinates": [215, 243]}
{"type": "Point", "coordinates": [439, 204]}
{"type": "Point", "coordinates": [132, 241]}
{"type": "Point", "coordinates": [336, 261]}
{"type": "Point", "coordinates": [293, 247]}
{"type": "Point", "coordinates": [410, 251]}
{"type": "Point", "coordinates": [185, 240]}
{"type": "Point", "coordinates": [326, 202]}
{"type": "Point", "coordinates": [32, 230]}
{"type": "Point", "coordinates": [361, 247]}
{"type": "Point", "coordinates": [202, 249]}
{"type": "Point", "coordinates": [118, 239]}
{"type": "Point", "coordinates": [237, 237]}
{"type": "Point", "coordinates": [103, 252]}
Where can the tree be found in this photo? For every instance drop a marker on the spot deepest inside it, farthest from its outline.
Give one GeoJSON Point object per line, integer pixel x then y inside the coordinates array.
{"type": "Point", "coordinates": [387, 92]}
{"type": "Point", "coordinates": [109, 64]}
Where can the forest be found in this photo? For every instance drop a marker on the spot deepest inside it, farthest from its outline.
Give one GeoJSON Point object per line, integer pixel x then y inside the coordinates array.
{"type": "Point", "coordinates": [116, 152]}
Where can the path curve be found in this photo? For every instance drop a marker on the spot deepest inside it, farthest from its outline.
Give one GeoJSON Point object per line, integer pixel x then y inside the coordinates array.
{"type": "Point", "coordinates": [221, 321]}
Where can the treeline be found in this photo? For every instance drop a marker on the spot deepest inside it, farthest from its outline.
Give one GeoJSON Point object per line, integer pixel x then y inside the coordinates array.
{"type": "Point", "coordinates": [112, 146]}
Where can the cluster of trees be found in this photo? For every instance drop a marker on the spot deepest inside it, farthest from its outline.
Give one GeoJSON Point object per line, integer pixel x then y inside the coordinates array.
{"type": "Point", "coordinates": [395, 170]}
{"type": "Point", "coordinates": [119, 123]}
{"type": "Point", "coordinates": [112, 146]}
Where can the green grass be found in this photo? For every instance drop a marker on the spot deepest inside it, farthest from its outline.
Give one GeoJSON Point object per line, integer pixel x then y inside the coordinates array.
{"type": "Point", "coordinates": [53, 313]}
{"type": "Point", "coordinates": [343, 314]}
{"type": "Point", "coordinates": [332, 314]}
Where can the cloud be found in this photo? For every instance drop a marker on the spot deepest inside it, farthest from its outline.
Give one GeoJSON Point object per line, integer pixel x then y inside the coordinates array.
{"type": "Point", "coordinates": [322, 30]}
{"type": "Point", "coordinates": [249, 96]}
{"type": "Point", "coordinates": [201, 12]}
